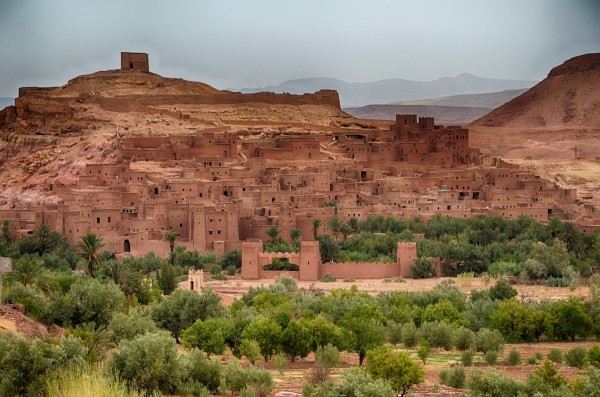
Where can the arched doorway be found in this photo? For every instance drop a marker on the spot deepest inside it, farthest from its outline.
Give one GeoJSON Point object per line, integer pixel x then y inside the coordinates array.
{"type": "Point", "coordinates": [126, 246]}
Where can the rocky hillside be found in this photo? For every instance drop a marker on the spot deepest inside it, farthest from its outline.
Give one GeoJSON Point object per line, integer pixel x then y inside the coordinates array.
{"type": "Point", "coordinates": [569, 97]}
{"type": "Point", "coordinates": [51, 133]}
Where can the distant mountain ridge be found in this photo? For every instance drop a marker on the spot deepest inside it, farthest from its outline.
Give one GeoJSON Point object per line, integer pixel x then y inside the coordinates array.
{"type": "Point", "coordinates": [490, 100]}
{"type": "Point", "coordinates": [445, 115]}
{"type": "Point", "coordinates": [393, 90]}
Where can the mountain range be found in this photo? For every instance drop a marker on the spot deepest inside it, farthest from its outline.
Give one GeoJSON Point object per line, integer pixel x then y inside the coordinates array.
{"type": "Point", "coordinates": [394, 90]}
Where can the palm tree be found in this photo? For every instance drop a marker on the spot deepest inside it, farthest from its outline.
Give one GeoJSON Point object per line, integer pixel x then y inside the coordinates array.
{"type": "Point", "coordinates": [171, 237]}
{"type": "Point", "coordinates": [89, 247]}
{"type": "Point", "coordinates": [6, 231]}
{"type": "Point", "coordinates": [273, 232]}
{"type": "Point", "coordinates": [570, 236]}
{"type": "Point", "coordinates": [295, 234]}
{"type": "Point", "coordinates": [316, 223]}
{"type": "Point", "coordinates": [43, 236]}
{"type": "Point", "coordinates": [335, 225]}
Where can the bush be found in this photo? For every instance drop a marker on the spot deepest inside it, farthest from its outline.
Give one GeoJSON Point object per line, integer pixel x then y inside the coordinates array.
{"type": "Point", "coordinates": [532, 360]}
{"type": "Point", "coordinates": [328, 278]}
{"type": "Point", "coordinates": [393, 332]}
{"type": "Point", "coordinates": [502, 268]}
{"type": "Point", "coordinates": [250, 349]}
{"type": "Point", "coordinates": [555, 355]}
{"type": "Point", "coordinates": [593, 356]}
{"type": "Point", "coordinates": [183, 308]}
{"type": "Point", "coordinates": [410, 334]}
{"type": "Point", "coordinates": [204, 371]}
{"type": "Point", "coordinates": [36, 304]}
{"type": "Point", "coordinates": [466, 357]}
{"type": "Point", "coordinates": [328, 356]}
{"type": "Point", "coordinates": [150, 362]}
{"type": "Point", "coordinates": [495, 384]}
{"type": "Point", "coordinates": [491, 357]}
{"type": "Point", "coordinates": [438, 334]}
{"type": "Point", "coordinates": [422, 268]}
{"type": "Point", "coordinates": [454, 378]}
{"type": "Point", "coordinates": [288, 282]}
{"type": "Point", "coordinates": [502, 290]}
{"type": "Point", "coordinates": [26, 366]}
{"type": "Point", "coordinates": [514, 357]}
{"type": "Point", "coordinates": [260, 381]}
{"type": "Point", "coordinates": [128, 326]}
{"type": "Point", "coordinates": [489, 340]}
{"type": "Point", "coordinates": [280, 362]}
{"type": "Point", "coordinates": [424, 350]}
{"type": "Point", "coordinates": [93, 300]}
{"type": "Point", "coordinates": [463, 339]}
{"type": "Point", "coordinates": [576, 357]}
{"type": "Point", "coordinates": [231, 258]}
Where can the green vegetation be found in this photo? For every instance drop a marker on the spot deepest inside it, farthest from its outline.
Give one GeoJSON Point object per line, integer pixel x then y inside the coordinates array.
{"type": "Point", "coordinates": [118, 318]}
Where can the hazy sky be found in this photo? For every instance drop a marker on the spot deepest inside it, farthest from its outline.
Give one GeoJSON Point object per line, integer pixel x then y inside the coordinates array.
{"type": "Point", "coordinates": [248, 43]}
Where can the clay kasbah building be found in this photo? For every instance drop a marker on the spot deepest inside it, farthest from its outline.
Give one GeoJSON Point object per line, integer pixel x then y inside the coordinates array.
{"type": "Point", "coordinates": [229, 190]}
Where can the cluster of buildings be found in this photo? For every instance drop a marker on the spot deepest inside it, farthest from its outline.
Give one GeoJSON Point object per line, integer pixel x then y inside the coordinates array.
{"type": "Point", "coordinates": [222, 189]}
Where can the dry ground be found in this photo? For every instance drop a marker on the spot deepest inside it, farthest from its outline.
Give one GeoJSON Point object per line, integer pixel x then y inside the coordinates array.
{"type": "Point", "coordinates": [235, 287]}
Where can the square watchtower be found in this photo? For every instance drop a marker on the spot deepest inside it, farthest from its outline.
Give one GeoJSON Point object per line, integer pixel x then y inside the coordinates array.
{"type": "Point", "coordinates": [135, 61]}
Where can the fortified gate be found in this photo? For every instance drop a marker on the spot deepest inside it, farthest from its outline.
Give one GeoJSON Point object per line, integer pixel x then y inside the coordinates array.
{"type": "Point", "coordinates": [254, 259]}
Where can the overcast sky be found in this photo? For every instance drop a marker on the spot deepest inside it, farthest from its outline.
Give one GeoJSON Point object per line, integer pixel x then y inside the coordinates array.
{"type": "Point", "coordinates": [250, 43]}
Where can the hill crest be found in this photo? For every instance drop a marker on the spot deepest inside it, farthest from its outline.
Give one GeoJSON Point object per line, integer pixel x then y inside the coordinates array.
{"type": "Point", "coordinates": [568, 97]}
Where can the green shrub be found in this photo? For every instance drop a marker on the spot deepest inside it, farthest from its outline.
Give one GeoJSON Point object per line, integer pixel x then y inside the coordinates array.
{"type": "Point", "coordinates": [422, 268]}
{"type": "Point", "coordinates": [393, 332]}
{"type": "Point", "coordinates": [555, 355]}
{"type": "Point", "coordinates": [489, 340]}
{"type": "Point", "coordinates": [494, 384]}
{"type": "Point", "coordinates": [328, 278]}
{"type": "Point", "coordinates": [410, 334]}
{"type": "Point", "coordinates": [454, 378]}
{"type": "Point", "coordinates": [576, 357]}
{"type": "Point", "coordinates": [260, 381]}
{"type": "Point", "coordinates": [204, 371]}
{"type": "Point", "coordinates": [424, 350]}
{"type": "Point", "coordinates": [327, 356]}
{"type": "Point", "coordinates": [502, 290]}
{"type": "Point", "coordinates": [539, 356]}
{"type": "Point", "coordinates": [150, 362]}
{"type": "Point", "coordinates": [466, 358]}
{"type": "Point", "coordinates": [502, 268]}
{"type": "Point", "coordinates": [280, 362]}
{"type": "Point", "coordinates": [437, 333]}
{"type": "Point", "coordinates": [463, 339]}
{"type": "Point", "coordinates": [36, 304]}
{"type": "Point", "coordinates": [250, 349]}
{"type": "Point", "coordinates": [593, 356]}
{"type": "Point", "coordinates": [514, 357]}
{"type": "Point", "coordinates": [532, 360]}
{"type": "Point", "coordinates": [27, 366]}
{"type": "Point", "coordinates": [491, 357]}
{"type": "Point", "coordinates": [556, 282]}
{"type": "Point", "coordinates": [219, 276]}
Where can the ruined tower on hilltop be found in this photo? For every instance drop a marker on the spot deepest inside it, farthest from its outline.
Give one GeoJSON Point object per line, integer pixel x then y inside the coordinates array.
{"type": "Point", "coordinates": [135, 61]}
